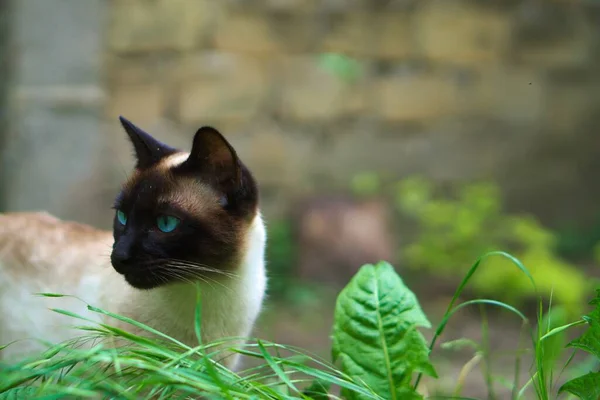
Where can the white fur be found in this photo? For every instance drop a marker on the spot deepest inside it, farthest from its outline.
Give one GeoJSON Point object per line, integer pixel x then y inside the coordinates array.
{"type": "Point", "coordinates": [175, 159]}
{"type": "Point", "coordinates": [229, 307]}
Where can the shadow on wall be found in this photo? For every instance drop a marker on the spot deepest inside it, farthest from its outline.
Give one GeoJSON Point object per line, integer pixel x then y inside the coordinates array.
{"type": "Point", "coordinates": [4, 87]}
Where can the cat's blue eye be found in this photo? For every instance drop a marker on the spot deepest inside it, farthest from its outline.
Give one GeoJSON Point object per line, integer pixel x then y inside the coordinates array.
{"type": "Point", "coordinates": [167, 223]}
{"type": "Point", "coordinates": [121, 217]}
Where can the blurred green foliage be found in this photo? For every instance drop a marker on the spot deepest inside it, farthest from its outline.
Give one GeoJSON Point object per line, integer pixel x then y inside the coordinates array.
{"type": "Point", "coordinates": [453, 230]}
{"type": "Point", "coordinates": [365, 184]}
{"type": "Point", "coordinates": [345, 68]}
{"type": "Point", "coordinates": [282, 258]}
{"type": "Point", "coordinates": [281, 255]}
{"type": "Point", "coordinates": [597, 253]}
{"type": "Point", "coordinates": [579, 243]}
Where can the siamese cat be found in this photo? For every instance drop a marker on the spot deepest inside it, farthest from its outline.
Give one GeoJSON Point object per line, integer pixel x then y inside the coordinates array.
{"type": "Point", "coordinates": [180, 219]}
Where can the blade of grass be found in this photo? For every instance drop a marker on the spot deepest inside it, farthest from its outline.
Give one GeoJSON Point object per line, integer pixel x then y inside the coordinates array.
{"type": "Point", "coordinates": [277, 369]}
{"type": "Point", "coordinates": [562, 328]}
{"type": "Point", "coordinates": [461, 288]}
{"type": "Point", "coordinates": [136, 324]}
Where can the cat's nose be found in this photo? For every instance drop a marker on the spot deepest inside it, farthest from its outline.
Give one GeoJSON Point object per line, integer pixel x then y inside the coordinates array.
{"type": "Point", "coordinates": [121, 259]}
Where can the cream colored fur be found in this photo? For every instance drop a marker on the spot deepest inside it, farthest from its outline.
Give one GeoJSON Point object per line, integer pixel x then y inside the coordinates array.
{"type": "Point", "coordinates": [39, 253]}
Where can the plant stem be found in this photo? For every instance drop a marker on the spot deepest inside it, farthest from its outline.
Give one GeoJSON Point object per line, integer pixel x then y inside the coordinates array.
{"type": "Point", "coordinates": [515, 390]}
{"type": "Point", "coordinates": [487, 356]}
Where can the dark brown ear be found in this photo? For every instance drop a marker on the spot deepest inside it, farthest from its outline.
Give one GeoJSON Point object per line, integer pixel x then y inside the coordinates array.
{"type": "Point", "coordinates": [148, 151]}
{"type": "Point", "coordinates": [214, 159]}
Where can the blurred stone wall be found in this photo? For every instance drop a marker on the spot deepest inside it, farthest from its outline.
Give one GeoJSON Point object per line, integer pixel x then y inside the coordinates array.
{"type": "Point", "coordinates": [455, 90]}
{"type": "Point", "coordinates": [56, 107]}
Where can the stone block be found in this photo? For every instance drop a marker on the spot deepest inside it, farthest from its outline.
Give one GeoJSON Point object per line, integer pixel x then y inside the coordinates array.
{"type": "Point", "coordinates": [145, 26]}
{"type": "Point", "coordinates": [276, 155]}
{"type": "Point", "coordinates": [246, 32]}
{"type": "Point", "coordinates": [348, 33]}
{"type": "Point", "coordinates": [311, 7]}
{"type": "Point", "coordinates": [567, 107]}
{"type": "Point", "coordinates": [418, 96]}
{"type": "Point", "coordinates": [381, 35]}
{"type": "Point", "coordinates": [266, 33]}
{"type": "Point", "coordinates": [461, 32]}
{"type": "Point", "coordinates": [141, 103]}
{"type": "Point", "coordinates": [63, 144]}
{"type": "Point", "coordinates": [310, 92]}
{"type": "Point", "coordinates": [292, 6]}
{"type": "Point", "coordinates": [510, 94]}
{"type": "Point", "coordinates": [221, 87]}
{"type": "Point", "coordinates": [266, 152]}
{"type": "Point", "coordinates": [554, 36]}
{"type": "Point", "coordinates": [393, 35]}
{"type": "Point", "coordinates": [57, 43]}
{"type": "Point", "coordinates": [140, 70]}
{"type": "Point", "coordinates": [567, 53]}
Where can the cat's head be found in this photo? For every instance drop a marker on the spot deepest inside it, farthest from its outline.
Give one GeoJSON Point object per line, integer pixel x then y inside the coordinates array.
{"type": "Point", "coordinates": [182, 216]}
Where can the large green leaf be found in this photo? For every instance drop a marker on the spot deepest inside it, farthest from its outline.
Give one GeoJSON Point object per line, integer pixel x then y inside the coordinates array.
{"type": "Point", "coordinates": [587, 387]}
{"type": "Point", "coordinates": [375, 335]}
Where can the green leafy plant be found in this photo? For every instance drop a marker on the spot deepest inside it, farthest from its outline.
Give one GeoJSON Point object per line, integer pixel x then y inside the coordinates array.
{"type": "Point", "coordinates": [454, 229]}
{"type": "Point", "coordinates": [587, 387]}
{"type": "Point", "coordinates": [378, 316]}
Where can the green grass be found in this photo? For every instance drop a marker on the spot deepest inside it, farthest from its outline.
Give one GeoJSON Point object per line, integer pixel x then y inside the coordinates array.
{"type": "Point", "coordinates": [378, 352]}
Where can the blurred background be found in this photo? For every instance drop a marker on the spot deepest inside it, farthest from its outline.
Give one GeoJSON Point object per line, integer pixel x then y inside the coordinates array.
{"type": "Point", "coordinates": [421, 132]}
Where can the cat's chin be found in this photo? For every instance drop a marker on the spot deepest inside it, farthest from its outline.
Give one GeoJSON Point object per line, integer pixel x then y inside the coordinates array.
{"type": "Point", "coordinates": [143, 281]}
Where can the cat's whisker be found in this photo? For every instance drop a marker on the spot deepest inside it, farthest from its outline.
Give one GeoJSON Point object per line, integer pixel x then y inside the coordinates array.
{"type": "Point", "coordinates": [205, 279]}
{"type": "Point", "coordinates": [193, 271]}
{"type": "Point", "coordinates": [189, 267]}
{"type": "Point", "coordinates": [205, 267]}
{"type": "Point", "coordinates": [178, 274]}
{"type": "Point", "coordinates": [162, 278]}
{"type": "Point", "coordinates": [192, 266]}
{"type": "Point", "coordinates": [184, 278]}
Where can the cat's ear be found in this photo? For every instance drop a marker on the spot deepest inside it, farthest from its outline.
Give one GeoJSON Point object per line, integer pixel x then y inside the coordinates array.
{"type": "Point", "coordinates": [148, 151]}
{"type": "Point", "coordinates": [214, 159]}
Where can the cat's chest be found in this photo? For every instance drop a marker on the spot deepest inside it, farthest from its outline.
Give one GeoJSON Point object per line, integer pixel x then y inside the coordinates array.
{"type": "Point", "coordinates": [223, 310]}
